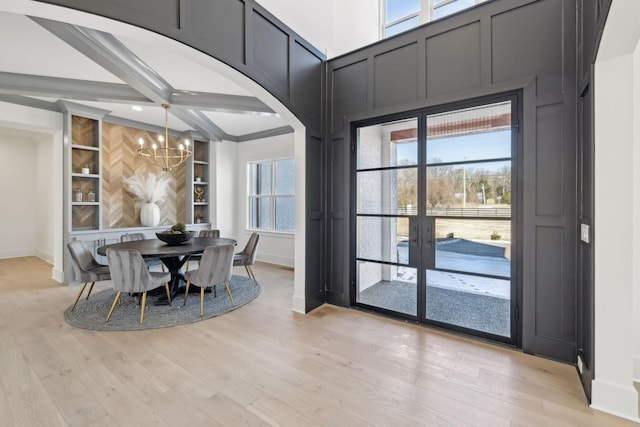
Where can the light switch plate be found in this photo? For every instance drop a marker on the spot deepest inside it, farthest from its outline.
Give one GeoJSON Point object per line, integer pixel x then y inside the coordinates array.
{"type": "Point", "coordinates": [584, 233]}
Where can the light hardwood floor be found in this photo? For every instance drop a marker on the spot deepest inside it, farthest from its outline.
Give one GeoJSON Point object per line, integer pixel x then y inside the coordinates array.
{"type": "Point", "coordinates": [264, 365]}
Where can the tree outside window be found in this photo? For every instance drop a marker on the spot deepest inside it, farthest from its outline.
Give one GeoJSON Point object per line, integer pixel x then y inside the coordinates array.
{"type": "Point", "coordinates": [272, 195]}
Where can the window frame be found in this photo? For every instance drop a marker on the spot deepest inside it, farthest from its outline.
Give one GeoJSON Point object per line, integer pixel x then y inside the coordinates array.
{"type": "Point", "coordinates": [425, 14]}
{"type": "Point", "coordinates": [272, 196]}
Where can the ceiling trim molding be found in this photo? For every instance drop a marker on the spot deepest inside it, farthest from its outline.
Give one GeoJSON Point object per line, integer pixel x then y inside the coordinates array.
{"type": "Point", "coordinates": [151, 128]}
{"type": "Point", "coordinates": [120, 121]}
{"type": "Point", "coordinates": [30, 102]}
{"type": "Point", "coordinates": [265, 134]}
{"type": "Point", "coordinates": [73, 107]}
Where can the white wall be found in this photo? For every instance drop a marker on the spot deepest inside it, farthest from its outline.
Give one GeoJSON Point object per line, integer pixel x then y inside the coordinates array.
{"type": "Point", "coordinates": [636, 208]}
{"type": "Point", "coordinates": [223, 202]}
{"type": "Point", "coordinates": [18, 187]}
{"type": "Point", "coordinates": [617, 213]}
{"type": "Point", "coordinates": [355, 24]}
{"type": "Point", "coordinates": [44, 198]}
{"type": "Point", "coordinates": [31, 184]}
{"type": "Point", "coordinates": [275, 248]}
{"type": "Point", "coordinates": [332, 26]}
{"type": "Point", "coordinates": [614, 188]}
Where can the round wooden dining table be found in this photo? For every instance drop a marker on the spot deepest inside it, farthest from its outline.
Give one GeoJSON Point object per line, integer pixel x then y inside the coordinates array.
{"type": "Point", "coordinates": [173, 256]}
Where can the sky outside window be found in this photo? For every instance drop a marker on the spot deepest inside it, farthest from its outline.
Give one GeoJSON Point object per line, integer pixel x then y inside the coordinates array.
{"type": "Point", "coordinates": [396, 9]}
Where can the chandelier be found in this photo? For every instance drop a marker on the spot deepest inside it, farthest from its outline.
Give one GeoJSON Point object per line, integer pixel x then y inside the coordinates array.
{"type": "Point", "coordinates": [164, 156]}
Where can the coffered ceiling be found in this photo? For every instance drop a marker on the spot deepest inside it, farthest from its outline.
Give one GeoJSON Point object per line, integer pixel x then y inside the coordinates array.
{"type": "Point", "coordinates": [46, 60]}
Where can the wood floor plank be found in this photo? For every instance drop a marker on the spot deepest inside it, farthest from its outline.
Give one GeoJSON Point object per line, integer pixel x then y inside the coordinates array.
{"type": "Point", "coordinates": [177, 410]}
{"type": "Point", "coordinates": [5, 407]}
{"type": "Point", "coordinates": [30, 403]}
{"type": "Point", "coordinates": [265, 365]}
{"type": "Point", "coordinates": [279, 413]}
{"type": "Point", "coordinates": [120, 399]}
{"type": "Point", "coordinates": [228, 412]}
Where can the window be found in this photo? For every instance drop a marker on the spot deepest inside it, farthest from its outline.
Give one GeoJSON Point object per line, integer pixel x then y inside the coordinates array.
{"type": "Point", "coordinates": [402, 15]}
{"type": "Point", "coordinates": [272, 195]}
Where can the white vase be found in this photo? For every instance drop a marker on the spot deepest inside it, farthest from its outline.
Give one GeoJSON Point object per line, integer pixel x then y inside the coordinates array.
{"type": "Point", "coordinates": [150, 215]}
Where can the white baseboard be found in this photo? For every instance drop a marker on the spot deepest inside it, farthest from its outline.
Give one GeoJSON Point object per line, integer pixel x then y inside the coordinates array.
{"type": "Point", "coordinates": [298, 304]}
{"type": "Point", "coordinates": [57, 275]}
{"type": "Point", "coordinates": [44, 256]}
{"type": "Point", "coordinates": [275, 259]}
{"type": "Point", "coordinates": [615, 399]}
{"type": "Point", "coordinates": [636, 369]}
{"type": "Point", "coordinates": [16, 253]}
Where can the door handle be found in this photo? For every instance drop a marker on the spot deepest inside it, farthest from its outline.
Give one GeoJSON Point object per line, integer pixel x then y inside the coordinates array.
{"type": "Point", "coordinates": [413, 235]}
{"type": "Point", "coordinates": [428, 241]}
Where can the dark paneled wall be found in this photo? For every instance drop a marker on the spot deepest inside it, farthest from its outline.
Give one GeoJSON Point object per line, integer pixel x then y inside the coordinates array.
{"type": "Point", "coordinates": [504, 45]}
{"type": "Point", "coordinates": [591, 19]}
{"type": "Point", "coordinates": [246, 37]}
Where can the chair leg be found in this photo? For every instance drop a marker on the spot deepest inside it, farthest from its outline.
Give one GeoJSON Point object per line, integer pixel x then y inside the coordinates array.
{"type": "Point", "coordinates": [90, 289]}
{"type": "Point", "coordinates": [226, 284]}
{"type": "Point", "coordinates": [201, 301]}
{"type": "Point", "coordinates": [250, 273]}
{"type": "Point", "coordinates": [142, 305]}
{"type": "Point", "coordinates": [166, 287]}
{"type": "Point", "coordinates": [78, 297]}
{"type": "Point", "coordinates": [186, 292]}
{"type": "Point", "coordinates": [115, 300]}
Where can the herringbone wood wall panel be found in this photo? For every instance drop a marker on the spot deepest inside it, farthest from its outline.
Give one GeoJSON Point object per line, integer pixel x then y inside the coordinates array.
{"type": "Point", "coordinates": [120, 161]}
{"type": "Point", "coordinates": [83, 217]}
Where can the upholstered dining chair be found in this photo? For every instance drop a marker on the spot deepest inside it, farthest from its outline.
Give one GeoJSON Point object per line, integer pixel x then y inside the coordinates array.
{"type": "Point", "coordinates": [209, 233]}
{"type": "Point", "coordinates": [247, 257]}
{"type": "Point", "coordinates": [130, 237]}
{"type": "Point", "coordinates": [202, 233]}
{"type": "Point", "coordinates": [86, 267]}
{"type": "Point", "coordinates": [214, 269]}
{"type": "Point", "coordinates": [129, 273]}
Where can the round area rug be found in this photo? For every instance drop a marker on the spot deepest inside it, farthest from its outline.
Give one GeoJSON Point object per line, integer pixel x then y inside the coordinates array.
{"type": "Point", "coordinates": [91, 314]}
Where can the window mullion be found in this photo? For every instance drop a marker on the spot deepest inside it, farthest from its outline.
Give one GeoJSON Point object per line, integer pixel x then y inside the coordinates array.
{"type": "Point", "coordinates": [426, 11]}
{"type": "Point", "coordinates": [272, 219]}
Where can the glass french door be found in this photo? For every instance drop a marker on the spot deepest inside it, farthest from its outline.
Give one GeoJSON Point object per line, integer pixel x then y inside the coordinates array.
{"type": "Point", "coordinates": [434, 218]}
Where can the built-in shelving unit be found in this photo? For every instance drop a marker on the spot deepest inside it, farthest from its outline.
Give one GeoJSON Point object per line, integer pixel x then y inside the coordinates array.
{"type": "Point", "coordinates": [83, 174]}
{"type": "Point", "coordinates": [85, 166]}
{"type": "Point", "coordinates": [200, 182]}
{"type": "Point", "coordinates": [90, 181]}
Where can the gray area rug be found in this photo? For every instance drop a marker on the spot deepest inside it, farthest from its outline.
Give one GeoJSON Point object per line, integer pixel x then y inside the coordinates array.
{"type": "Point", "coordinates": [91, 314]}
{"type": "Point", "coordinates": [471, 310]}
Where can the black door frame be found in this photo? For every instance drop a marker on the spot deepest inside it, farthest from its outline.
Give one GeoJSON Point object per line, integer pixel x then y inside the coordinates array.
{"type": "Point", "coordinates": [516, 215]}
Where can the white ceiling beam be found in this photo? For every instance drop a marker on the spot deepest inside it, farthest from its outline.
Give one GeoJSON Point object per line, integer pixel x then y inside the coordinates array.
{"type": "Point", "coordinates": [56, 87]}
{"type": "Point", "coordinates": [108, 52]}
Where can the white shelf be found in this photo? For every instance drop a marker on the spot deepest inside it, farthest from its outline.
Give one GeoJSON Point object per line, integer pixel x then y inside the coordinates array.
{"type": "Point", "coordinates": [85, 147]}
{"type": "Point", "coordinates": [84, 175]}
